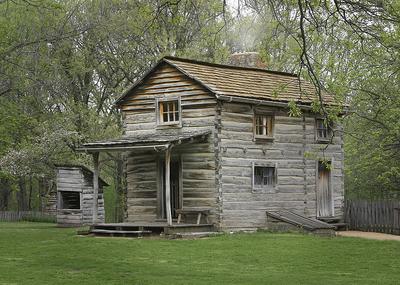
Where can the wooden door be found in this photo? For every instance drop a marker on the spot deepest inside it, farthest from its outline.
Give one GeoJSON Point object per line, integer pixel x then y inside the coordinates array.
{"type": "Point", "coordinates": [324, 191]}
{"type": "Point", "coordinates": [175, 170]}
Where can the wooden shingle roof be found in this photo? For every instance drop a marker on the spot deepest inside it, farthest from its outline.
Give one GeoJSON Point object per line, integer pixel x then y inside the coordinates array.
{"type": "Point", "coordinates": [242, 82]}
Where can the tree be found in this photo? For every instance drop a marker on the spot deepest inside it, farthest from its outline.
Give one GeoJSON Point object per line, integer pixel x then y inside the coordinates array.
{"type": "Point", "coordinates": [351, 48]}
{"type": "Point", "coordinates": [63, 64]}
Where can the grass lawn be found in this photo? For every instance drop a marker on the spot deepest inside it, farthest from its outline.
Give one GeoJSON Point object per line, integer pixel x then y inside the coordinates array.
{"type": "Point", "coordinates": [39, 253]}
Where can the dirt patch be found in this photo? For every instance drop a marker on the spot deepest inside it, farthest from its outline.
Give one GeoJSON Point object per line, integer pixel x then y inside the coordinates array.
{"type": "Point", "coordinates": [368, 235]}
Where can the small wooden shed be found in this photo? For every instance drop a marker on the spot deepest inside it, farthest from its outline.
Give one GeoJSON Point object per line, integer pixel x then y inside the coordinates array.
{"type": "Point", "coordinates": [75, 196]}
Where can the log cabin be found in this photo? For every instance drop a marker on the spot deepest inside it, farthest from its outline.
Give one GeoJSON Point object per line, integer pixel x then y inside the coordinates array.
{"type": "Point", "coordinates": [218, 141]}
{"type": "Point", "coordinates": [75, 196]}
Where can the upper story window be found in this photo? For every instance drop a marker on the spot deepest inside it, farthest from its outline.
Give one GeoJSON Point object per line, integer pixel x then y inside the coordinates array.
{"type": "Point", "coordinates": [263, 126]}
{"type": "Point", "coordinates": [168, 111]}
{"type": "Point", "coordinates": [323, 131]}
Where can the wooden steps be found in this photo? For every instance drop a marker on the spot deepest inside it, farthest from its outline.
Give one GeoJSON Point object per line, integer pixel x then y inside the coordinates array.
{"type": "Point", "coordinates": [148, 229]}
{"type": "Point", "coordinates": [340, 226]}
{"type": "Point", "coordinates": [335, 221]}
{"type": "Point", "coordinates": [192, 235]}
{"type": "Point", "coordinates": [112, 233]}
{"type": "Point", "coordinates": [329, 219]}
{"type": "Point", "coordinates": [119, 230]}
{"type": "Point", "coordinates": [188, 228]}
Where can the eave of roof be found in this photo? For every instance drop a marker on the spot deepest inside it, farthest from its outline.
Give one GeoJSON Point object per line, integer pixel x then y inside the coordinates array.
{"type": "Point", "coordinates": [80, 166]}
{"type": "Point", "coordinates": [152, 140]}
{"type": "Point", "coordinates": [137, 82]}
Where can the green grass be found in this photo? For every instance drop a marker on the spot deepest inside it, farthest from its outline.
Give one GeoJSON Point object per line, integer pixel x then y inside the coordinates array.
{"type": "Point", "coordinates": [39, 253]}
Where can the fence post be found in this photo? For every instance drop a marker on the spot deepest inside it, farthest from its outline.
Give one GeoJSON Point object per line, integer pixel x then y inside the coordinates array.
{"type": "Point", "coordinates": [379, 216]}
{"type": "Point", "coordinates": [14, 216]}
{"type": "Point", "coordinates": [396, 220]}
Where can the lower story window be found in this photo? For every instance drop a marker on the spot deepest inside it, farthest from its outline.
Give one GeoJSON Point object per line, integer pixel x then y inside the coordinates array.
{"type": "Point", "coordinates": [70, 200]}
{"type": "Point", "coordinates": [264, 176]}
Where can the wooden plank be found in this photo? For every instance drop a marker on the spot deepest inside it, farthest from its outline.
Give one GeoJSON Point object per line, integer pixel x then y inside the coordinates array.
{"type": "Point", "coordinates": [120, 231]}
{"type": "Point", "coordinates": [95, 185]}
{"type": "Point", "coordinates": [378, 216]}
{"type": "Point", "coordinates": [168, 186]}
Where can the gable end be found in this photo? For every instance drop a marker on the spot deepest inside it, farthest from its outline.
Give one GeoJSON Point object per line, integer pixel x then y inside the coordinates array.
{"type": "Point", "coordinates": [162, 76]}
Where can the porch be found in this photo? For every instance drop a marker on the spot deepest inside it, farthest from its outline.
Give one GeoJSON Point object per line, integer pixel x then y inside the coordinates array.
{"type": "Point", "coordinates": [156, 181]}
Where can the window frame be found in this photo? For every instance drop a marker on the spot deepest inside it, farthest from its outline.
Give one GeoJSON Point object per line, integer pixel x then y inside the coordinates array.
{"type": "Point", "coordinates": [61, 201]}
{"type": "Point", "coordinates": [272, 131]}
{"type": "Point", "coordinates": [159, 121]}
{"type": "Point", "coordinates": [264, 188]}
{"type": "Point", "coordinates": [328, 129]}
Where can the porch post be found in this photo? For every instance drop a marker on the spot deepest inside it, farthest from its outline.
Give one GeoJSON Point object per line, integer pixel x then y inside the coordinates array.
{"type": "Point", "coordinates": [167, 185]}
{"type": "Point", "coordinates": [95, 186]}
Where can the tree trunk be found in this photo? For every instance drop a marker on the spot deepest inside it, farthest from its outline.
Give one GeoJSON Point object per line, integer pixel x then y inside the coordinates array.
{"type": "Point", "coordinates": [41, 186]}
{"type": "Point", "coordinates": [30, 193]}
{"type": "Point", "coordinates": [4, 193]}
{"type": "Point", "coordinates": [21, 194]}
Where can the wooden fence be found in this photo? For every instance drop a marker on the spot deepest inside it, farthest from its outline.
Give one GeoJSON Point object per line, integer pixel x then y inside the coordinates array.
{"type": "Point", "coordinates": [14, 216]}
{"type": "Point", "coordinates": [373, 216]}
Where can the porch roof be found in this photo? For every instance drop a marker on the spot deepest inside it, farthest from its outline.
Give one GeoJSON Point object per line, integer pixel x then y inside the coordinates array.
{"type": "Point", "coordinates": [155, 139]}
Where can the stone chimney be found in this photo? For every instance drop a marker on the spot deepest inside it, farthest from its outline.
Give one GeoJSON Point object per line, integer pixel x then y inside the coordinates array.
{"type": "Point", "coordinates": [247, 59]}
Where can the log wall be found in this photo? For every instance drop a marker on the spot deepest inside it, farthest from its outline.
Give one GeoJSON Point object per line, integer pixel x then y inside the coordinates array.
{"type": "Point", "coordinates": [296, 174]}
{"type": "Point", "coordinates": [198, 158]}
{"type": "Point", "coordinates": [218, 173]}
{"type": "Point", "coordinates": [138, 110]}
{"type": "Point", "coordinates": [74, 179]}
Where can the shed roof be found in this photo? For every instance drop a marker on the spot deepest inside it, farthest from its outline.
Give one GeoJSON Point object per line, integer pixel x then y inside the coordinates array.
{"type": "Point", "coordinates": [241, 82]}
{"type": "Point", "coordinates": [84, 169]}
{"type": "Point", "coordinates": [152, 139]}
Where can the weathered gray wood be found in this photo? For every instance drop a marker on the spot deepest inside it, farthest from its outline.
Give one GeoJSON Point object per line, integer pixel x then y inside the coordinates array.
{"type": "Point", "coordinates": [100, 231]}
{"type": "Point", "coordinates": [198, 211]}
{"type": "Point", "coordinates": [15, 216]}
{"type": "Point", "coordinates": [298, 220]}
{"type": "Point", "coordinates": [296, 173]}
{"type": "Point", "coordinates": [168, 185]}
{"type": "Point", "coordinates": [95, 185]}
{"type": "Point", "coordinates": [218, 173]}
{"type": "Point", "coordinates": [79, 180]}
{"type": "Point", "coordinates": [378, 216]}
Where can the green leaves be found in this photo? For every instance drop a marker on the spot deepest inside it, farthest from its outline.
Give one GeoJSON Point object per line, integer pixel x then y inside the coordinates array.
{"type": "Point", "coordinates": [62, 65]}
{"type": "Point", "coordinates": [294, 109]}
{"type": "Point", "coordinates": [350, 50]}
